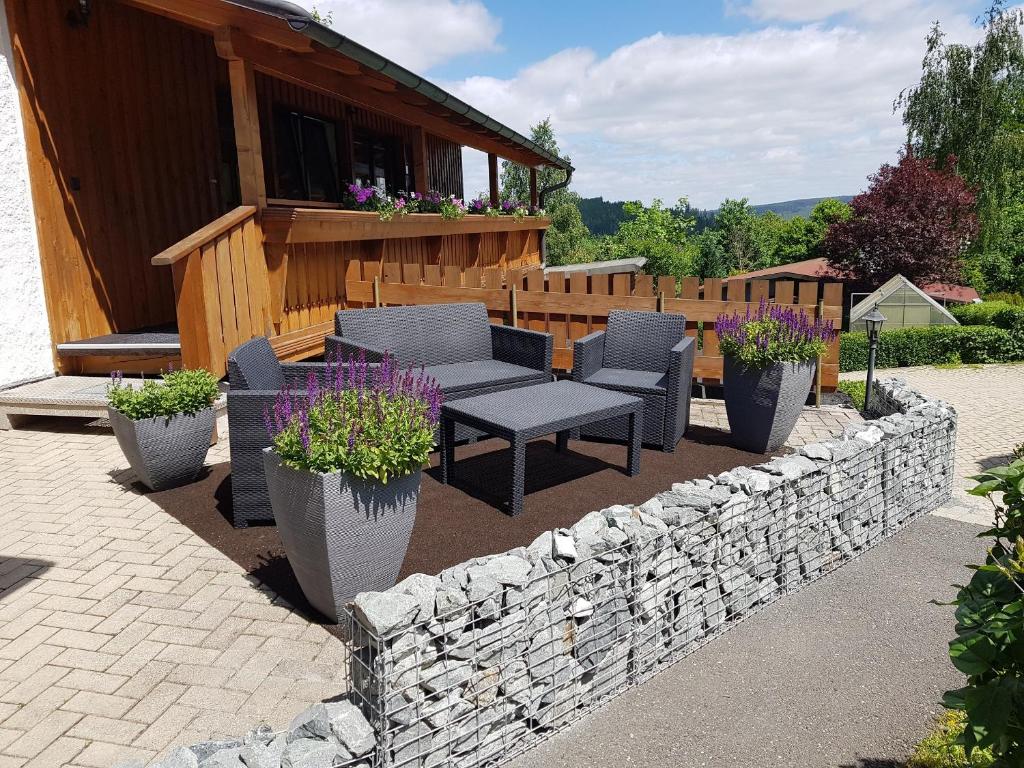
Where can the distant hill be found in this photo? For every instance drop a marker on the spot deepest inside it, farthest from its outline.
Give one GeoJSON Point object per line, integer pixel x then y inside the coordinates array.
{"type": "Point", "coordinates": [789, 209]}
{"type": "Point", "coordinates": [602, 216]}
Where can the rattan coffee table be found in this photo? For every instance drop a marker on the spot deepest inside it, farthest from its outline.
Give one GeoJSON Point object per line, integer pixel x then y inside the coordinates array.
{"type": "Point", "coordinates": [520, 415]}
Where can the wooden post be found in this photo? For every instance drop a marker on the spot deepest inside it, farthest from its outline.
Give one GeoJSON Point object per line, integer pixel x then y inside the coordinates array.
{"type": "Point", "coordinates": [492, 176]}
{"type": "Point", "coordinates": [533, 188]}
{"type": "Point", "coordinates": [420, 168]}
{"type": "Point", "coordinates": [376, 290]}
{"type": "Point", "coordinates": [661, 301]}
{"type": "Point", "coordinates": [821, 359]}
{"type": "Point", "coordinates": [247, 133]}
{"type": "Point", "coordinates": [514, 305]}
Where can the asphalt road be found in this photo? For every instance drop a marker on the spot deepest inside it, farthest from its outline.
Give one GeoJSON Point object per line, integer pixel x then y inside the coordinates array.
{"type": "Point", "coordinates": [847, 673]}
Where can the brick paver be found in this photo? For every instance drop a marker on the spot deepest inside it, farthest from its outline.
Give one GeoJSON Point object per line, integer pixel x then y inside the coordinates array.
{"type": "Point", "coordinates": [122, 633]}
{"type": "Point", "coordinates": [990, 422]}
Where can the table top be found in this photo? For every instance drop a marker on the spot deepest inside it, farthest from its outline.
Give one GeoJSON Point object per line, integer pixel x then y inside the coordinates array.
{"type": "Point", "coordinates": [558, 405]}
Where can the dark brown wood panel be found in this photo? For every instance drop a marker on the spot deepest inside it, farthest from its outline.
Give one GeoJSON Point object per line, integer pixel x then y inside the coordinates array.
{"type": "Point", "coordinates": [121, 131]}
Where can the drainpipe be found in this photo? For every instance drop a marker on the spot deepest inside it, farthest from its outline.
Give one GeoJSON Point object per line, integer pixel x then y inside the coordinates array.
{"type": "Point", "coordinates": [540, 201]}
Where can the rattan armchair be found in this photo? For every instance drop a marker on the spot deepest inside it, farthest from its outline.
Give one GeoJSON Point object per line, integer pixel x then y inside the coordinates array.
{"type": "Point", "coordinates": [256, 376]}
{"type": "Point", "coordinates": [646, 354]}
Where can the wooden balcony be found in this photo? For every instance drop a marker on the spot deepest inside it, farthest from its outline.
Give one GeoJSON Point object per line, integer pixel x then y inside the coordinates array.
{"type": "Point", "coordinates": [283, 271]}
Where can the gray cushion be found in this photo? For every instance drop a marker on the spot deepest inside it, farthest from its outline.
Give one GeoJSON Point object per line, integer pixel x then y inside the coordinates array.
{"type": "Point", "coordinates": [641, 340]}
{"type": "Point", "coordinates": [626, 380]}
{"type": "Point", "coordinates": [457, 377]}
{"type": "Point", "coordinates": [436, 334]}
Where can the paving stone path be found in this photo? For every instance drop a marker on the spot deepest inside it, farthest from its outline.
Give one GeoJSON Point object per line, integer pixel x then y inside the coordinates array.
{"type": "Point", "coordinates": [122, 633]}
{"type": "Point", "coordinates": [989, 402]}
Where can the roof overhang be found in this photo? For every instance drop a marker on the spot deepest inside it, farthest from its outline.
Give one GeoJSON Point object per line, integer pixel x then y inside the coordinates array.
{"type": "Point", "coordinates": [284, 41]}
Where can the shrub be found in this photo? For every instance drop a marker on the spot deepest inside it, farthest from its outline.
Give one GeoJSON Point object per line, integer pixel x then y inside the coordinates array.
{"type": "Point", "coordinates": [977, 314]}
{"type": "Point", "coordinates": [1013, 299]}
{"type": "Point", "coordinates": [902, 347]}
{"type": "Point", "coordinates": [989, 643]}
{"type": "Point", "coordinates": [941, 750]}
{"type": "Point", "coordinates": [183, 391]}
{"type": "Point", "coordinates": [774, 334]}
{"type": "Point", "coordinates": [856, 391]}
{"type": "Point", "coordinates": [375, 425]}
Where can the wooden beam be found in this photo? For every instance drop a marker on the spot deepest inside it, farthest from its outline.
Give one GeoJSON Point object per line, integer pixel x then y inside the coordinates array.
{"type": "Point", "coordinates": [247, 131]}
{"type": "Point", "coordinates": [420, 166]}
{"type": "Point", "coordinates": [312, 71]}
{"type": "Point", "coordinates": [210, 16]}
{"type": "Point", "coordinates": [492, 177]}
{"type": "Point", "coordinates": [533, 188]}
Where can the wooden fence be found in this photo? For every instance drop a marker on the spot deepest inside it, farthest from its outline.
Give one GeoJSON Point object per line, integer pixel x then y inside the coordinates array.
{"type": "Point", "coordinates": [571, 306]}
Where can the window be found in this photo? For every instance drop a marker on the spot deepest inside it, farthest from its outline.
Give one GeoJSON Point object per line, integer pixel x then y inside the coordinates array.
{"type": "Point", "coordinates": [382, 161]}
{"type": "Point", "coordinates": [306, 157]}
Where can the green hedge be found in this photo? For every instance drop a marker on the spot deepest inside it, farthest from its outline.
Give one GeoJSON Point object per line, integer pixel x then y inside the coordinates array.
{"type": "Point", "coordinates": [990, 332]}
{"type": "Point", "coordinates": [938, 344]}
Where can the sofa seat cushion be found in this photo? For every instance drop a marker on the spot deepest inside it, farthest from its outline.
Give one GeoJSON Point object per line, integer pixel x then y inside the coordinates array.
{"type": "Point", "coordinates": [459, 377]}
{"type": "Point", "coordinates": [626, 380]}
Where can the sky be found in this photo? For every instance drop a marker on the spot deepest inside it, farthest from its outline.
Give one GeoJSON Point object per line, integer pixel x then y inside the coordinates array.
{"type": "Point", "coordinates": [705, 99]}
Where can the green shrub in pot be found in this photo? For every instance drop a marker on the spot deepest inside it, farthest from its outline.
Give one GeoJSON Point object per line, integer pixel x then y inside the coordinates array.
{"type": "Point", "coordinates": [164, 428]}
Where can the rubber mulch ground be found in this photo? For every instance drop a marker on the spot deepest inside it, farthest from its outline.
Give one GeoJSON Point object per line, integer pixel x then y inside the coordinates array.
{"type": "Point", "coordinates": [463, 520]}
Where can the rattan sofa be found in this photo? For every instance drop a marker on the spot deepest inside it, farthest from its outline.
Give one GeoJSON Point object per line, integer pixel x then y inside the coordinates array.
{"type": "Point", "coordinates": [646, 354]}
{"type": "Point", "coordinates": [455, 343]}
{"type": "Point", "coordinates": [256, 376]}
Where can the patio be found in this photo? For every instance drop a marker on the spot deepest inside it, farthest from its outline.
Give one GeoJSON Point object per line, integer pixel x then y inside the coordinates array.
{"type": "Point", "coordinates": [125, 631]}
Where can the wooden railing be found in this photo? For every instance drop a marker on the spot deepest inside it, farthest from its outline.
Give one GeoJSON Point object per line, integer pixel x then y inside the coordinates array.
{"type": "Point", "coordinates": [571, 306]}
{"type": "Point", "coordinates": [283, 272]}
{"type": "Point", "coordinates": [220, 288]}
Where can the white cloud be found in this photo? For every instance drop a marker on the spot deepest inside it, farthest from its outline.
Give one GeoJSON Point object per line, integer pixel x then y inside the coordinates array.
{"type": "Point", "coordinates": [779, 112]}
{"type": "Point", "coordinates": [415, 34]}
{"type": "Point", "coordinates": [818, 10]}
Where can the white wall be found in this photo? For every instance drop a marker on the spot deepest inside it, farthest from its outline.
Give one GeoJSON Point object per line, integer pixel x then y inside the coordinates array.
{"type": "Point", "coordinates": [24, 329]}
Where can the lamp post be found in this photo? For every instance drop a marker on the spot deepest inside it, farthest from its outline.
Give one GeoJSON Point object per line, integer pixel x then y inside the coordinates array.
{"type": "Point", "coordinates": [873, 322]}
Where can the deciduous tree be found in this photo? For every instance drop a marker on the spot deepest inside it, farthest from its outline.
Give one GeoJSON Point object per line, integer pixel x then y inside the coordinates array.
{"type": "Point", "coordinates": [915, 219]}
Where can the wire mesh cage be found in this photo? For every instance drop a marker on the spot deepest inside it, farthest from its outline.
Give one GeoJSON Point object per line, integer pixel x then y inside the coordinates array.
{"type": "Point", "coordinates": [477, 664]}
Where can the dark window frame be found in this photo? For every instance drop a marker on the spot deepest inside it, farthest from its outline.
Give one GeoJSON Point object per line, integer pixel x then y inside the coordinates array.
{"type": "Point", "coordinates": [296, 117]}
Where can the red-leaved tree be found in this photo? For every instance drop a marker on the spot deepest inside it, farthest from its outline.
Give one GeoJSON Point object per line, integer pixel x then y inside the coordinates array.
{"type": "Point", "coordinates": [915, 219]}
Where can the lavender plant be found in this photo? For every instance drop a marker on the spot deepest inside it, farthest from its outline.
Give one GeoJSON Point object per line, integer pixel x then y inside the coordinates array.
{"type": "Point", "coordinates": [774, 334]}
{"type": "Point", "coordinates": [373, 423]}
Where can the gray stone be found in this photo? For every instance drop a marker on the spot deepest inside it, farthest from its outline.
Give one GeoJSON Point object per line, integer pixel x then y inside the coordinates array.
{"type": "Point", "coordinates": [225, 758]}
{"type": "Point", "coordinates": [564, 545]}
{"type": "Point", "coordinates": [445, 675]}
{"type": "Point", "coordinates": [386, 612]}
{"type": "Point", "coordinates": [547, 652]}
{"type": "Point", "coordinates": [263, 755]}
{"type": "Point", "coordinates": [182, 757]}
{"type": "Point", "coordinates": [350, 727]}
{"type": "Point", "coordinates": [790, 467]}
{"type": "Point", "coordinates": [816, 451]}
{"type": "Point", "coordinates": [204, 749]}
{"type": "Point", "coordinates": [702, 496]}
{"type": "Point", "coordinates": [591, 526]}
{"type": "Point", "coordinates": [506, 569]}
{"type": "Point", "coordinates": [313, 753]}
{"type": "Point", "coordinates": [424, 589]}
{"type": "Point", "coordinates": [581, 608]}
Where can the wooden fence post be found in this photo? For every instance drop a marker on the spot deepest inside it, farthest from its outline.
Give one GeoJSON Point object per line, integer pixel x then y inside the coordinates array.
{"type": "Point", "coordinates": [376, 290]}
{"type": "Point", "coordinates": [514, 304]}
{"type": "Point", "coordinates": [821, 360]}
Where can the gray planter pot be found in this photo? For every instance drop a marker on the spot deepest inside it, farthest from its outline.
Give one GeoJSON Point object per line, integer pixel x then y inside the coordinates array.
{"type": "Point", "coordinates": [763, 404]}
{"type": "Point", "coordinates": [164, 452]}
{"type": "Point", "coordinates": [342, 535]}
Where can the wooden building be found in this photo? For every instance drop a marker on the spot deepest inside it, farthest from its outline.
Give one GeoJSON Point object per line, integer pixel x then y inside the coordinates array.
{"type": "Point", "coordinates": [186, 160]}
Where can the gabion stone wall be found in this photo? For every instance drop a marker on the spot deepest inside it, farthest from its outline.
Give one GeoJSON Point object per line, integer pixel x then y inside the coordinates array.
{"type": "Point", "coordinates": [479, 662]}
{"type": "Point", "coordinates": [476, 664]}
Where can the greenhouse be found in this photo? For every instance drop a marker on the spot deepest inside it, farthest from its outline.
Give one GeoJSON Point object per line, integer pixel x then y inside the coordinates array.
{"type": "Point", "coordinates": [904, 306]}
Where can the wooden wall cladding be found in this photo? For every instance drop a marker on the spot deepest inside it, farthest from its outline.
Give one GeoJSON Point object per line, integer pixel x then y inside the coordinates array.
{"type": "Point", "coordinates": [122, 145]}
